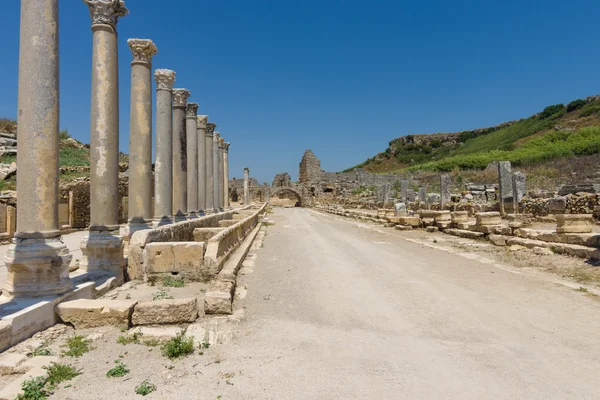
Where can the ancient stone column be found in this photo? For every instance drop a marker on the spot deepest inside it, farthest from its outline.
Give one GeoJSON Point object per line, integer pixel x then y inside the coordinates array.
{"type": "Point", "coordinates": [246, 186]}
{"type": "Point", "coordinates": [180, 97]}
{"type": "Point", "coordinates": [445, 183]}
{"type": "Point", "coordinates": [216, 175]}
{"type": "Point", "coordinates": [404, 191]}
{"type": "Point", "coordinates": [201, 126]}
{"type": "Point", "coordinates": [163, 165]}
{"type": "Point", "coordinates": [140, 135]}
{"type": "Point", "coordinates": [226, 174]}
{"type": "Point", "coordinates": [504, 183]}
{"type": "Point", "coordinates": [37, 261]}
{"type": "Point", "coordinates": [103, 248]}
{"type": "Point", "coordinates": [221, 174]}
{"type": "Point", "coordinates": [210, 188]}
{"type": "Point", "coordinates": [191, 128]}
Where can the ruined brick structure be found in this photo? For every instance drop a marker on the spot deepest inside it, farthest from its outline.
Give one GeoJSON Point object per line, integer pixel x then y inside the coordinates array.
{"type": "Point", "coordinates": [310, 168]}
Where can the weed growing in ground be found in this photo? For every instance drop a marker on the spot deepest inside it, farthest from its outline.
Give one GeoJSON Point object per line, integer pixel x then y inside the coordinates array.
{"type": "Point", "coordinates": [170, 281]}
{"type": "Point", "coordinates": [118, 370]}
{"type": "Point", "coordinates": [58, 373]}
{"type": "Point", "coordinates": [152, 342]}
{"type": "Point", "coordinates": [582, 289]}
{"type": "Point", "coordinates": [76, 346]}
{"type": "Point", "coordinates": [145, 388]}
{"type": "Point", "coordinates": [41, 350]}
{"type": "Point", "coordinates": [162, 294]}
{"type": "Point", "coordinates": [34, 389]}
{"type": "Point", "coordinates": [133, 338]}
{"type": "Point", "coordinates": [178, 346]}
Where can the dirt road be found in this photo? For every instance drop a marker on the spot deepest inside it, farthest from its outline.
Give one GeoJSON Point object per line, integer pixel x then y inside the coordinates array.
{"type": "Point", "coordinates": [336, 311]}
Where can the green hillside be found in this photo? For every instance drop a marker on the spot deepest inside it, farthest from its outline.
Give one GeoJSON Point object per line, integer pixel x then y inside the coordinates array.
{"type": "Point", "coordinates": [558, 131]}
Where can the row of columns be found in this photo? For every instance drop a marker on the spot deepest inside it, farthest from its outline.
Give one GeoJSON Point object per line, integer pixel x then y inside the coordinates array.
{"type": "Point", "coordinates": [191, 158]}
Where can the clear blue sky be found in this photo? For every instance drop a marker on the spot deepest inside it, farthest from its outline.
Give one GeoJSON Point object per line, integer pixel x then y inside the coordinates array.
{"type": "Point", "coordinates": [340, 77]}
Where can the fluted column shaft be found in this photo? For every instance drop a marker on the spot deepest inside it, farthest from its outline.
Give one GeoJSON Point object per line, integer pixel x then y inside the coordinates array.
{"type": "Point", "coordinates": [201, 126]}
{"type": "Point", "coordinates": [37, 261]}
{"type": "Point", "coordinates": [163, 165]}
{"type": "Point", "coordinates": [210, 187]}
{"type": "Point", "coordinates": [226, 175]}
{"type": "Point", "coordinates": [180, 97]}
{"type": "Point", "coordinates": [246, 186]}
{"type": "Point", "coordinates": [140, 135]}
{"type": "Point", "coordinates": [216, 175]}
{"type": "Point", "coordinates": [191, 120]}
{"type": "Point", "coordinates": [102, 249]}
{"type": "Point", "coordinates": [221, 174]}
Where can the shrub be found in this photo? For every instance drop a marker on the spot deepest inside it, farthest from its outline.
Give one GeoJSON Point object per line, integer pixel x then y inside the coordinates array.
{"type": "Point", "coordinates": [145, 388]}
{"type": "Point", "coordinates": [576, 105]}
{"type": "Point", "coordinates": [58, 373]}
{"type": "Point", "coordinates": [34, 389]}
{"type": "Point", "coordinates": [64, 135]}
{"type": "Point", "coordinates": [551, 111]}
{"type": "Point", "coordinates": [589, 110]}
{"type": "Point", "coordinates": [118, 370]}
{"type": "Point", "coordinates": [178, 347]}
{"type": "Point", "coordinates": [76, 346]}
{"type": "Point", "coordinates": [169, 281]}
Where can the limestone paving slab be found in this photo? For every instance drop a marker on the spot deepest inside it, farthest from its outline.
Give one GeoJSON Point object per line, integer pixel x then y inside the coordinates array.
{"type": "Point", "coordinates": [168, 311]}
{"type": "Point", "coordinates": [86, 313]}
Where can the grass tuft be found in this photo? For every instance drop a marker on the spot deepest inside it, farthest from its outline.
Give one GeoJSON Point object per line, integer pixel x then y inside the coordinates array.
{"type": "Point", "coordinates": [179, 346]}
{"type": "Point", "coordinates": [76, 346]}
{"type": "Point", "coordinates": [145, 388]}
{"type": "Point", "coordinates": [118, 370]}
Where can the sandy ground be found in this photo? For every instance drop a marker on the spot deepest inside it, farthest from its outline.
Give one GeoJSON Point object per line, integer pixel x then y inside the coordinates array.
{"type": "Point", "coordinates": [337, 309]}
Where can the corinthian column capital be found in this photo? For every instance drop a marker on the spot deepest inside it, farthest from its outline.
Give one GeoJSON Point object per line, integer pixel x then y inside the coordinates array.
{"type": "Point", "coordinates": [106, 12]}
{"type": "Point", "coordinates": [227, 144]}
{"type": "Point", "coordinates": [142, 50]}
{"type": "Point", "coordinates": [191, 110]}
{"type": "Point", "coordinates": [165, 78]}
{"type": "Point", "coordinates": [216, 137]}
{"type": "Point", "coordinates": [210, 128]}
{"type": "Point", "coordinates": [180, 97]}
{"type": "Point", "coordinates": [202, 120]}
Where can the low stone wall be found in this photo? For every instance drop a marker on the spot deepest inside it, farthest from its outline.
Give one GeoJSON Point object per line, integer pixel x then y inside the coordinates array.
{"type": "Point", "coordinates": [179, 232]}
{"type": "Point", "coordinates": [220, 246]}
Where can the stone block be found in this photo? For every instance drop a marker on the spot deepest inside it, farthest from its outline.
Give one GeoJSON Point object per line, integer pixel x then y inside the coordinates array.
{"type": "Point", "coordinates": [218, 298]}
{"type": "Point", "coordinates": [431, 229]}
{"type": "Point", "coordinates": [464, 225]}
{"type": "Point", "coordinates": [574, 223]}
{"type": "Point", "coordinates": [5, 334]}
{"type": "Point", "coordinates": [409, 221]}
{"type": "Point", "coordinates": [404, 228]}
{"type": "Point", "coordinates": [34, 367]}
{"type": "Point", "coordinates": [225, 223]}
{"type": "Point", "coordinates": [459, 217]}
{"type": "Point", "coordinates": [557, 205]}
{"type": "Point", "coordinates": [400, 209]}
{"type": "Point", "coordinates": [497, 240]}
{"type": "Point", "coordinates": [12, 363]}
{"type": "Point", "coordinates": [442, 216]}
{"type": "Point", "coordinates": [87, 313]}
{"type": "Point", "coordinates": [182, 258]}
{"type": "Point", "coordinates": [488, 218]}
{"type": "Point", "coordinates": [487, 229]}
{"type": "Point", "coordinates": [204, 234]}
{"type": "Point", "coordinates": [464, 234]}
{"type": "Point", "coordinates": [169, 311]}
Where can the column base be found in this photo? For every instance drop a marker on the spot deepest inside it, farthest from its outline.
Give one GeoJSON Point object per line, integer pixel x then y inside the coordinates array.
{"type": "Point", "coordinates": [161, 221]}
{"type": "Point", "coordinates": [37, 268]}
{"type": "Point", "coordinates": [102, 254]}
{"type": "Point", "coordinates": [201, 213]}
{"type": "Point", "coordinates": [192, 215]}
{"type": "Point", "coordinates": [180, 218]}
{"type": "Point", "coordinates": [126, 231]}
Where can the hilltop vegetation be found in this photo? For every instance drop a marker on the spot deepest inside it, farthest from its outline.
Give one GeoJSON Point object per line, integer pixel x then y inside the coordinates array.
{"type": "Point", "coordinates": [558, 131]}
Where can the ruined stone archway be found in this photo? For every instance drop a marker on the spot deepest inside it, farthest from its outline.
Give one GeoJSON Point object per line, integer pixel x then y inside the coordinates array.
{"type": "Point", "coordinates": [277, 191]}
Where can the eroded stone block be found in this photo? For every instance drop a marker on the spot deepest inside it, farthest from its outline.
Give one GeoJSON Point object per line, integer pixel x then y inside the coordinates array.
{"type": "Point", "coordinates": [574, 223]}
{"type": "Point", "coordinates": [204, 234]}
{"type": "Point", "coordinates": [86, 313]}
{"type": "Point", "coordinates": [169, 311]}
{"type": "Point", "coordinates": [218, 298]}
{"type": "Point", "coordinates": [182, 258]}
{"type": "Point", "coordinates": [488, 218]}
